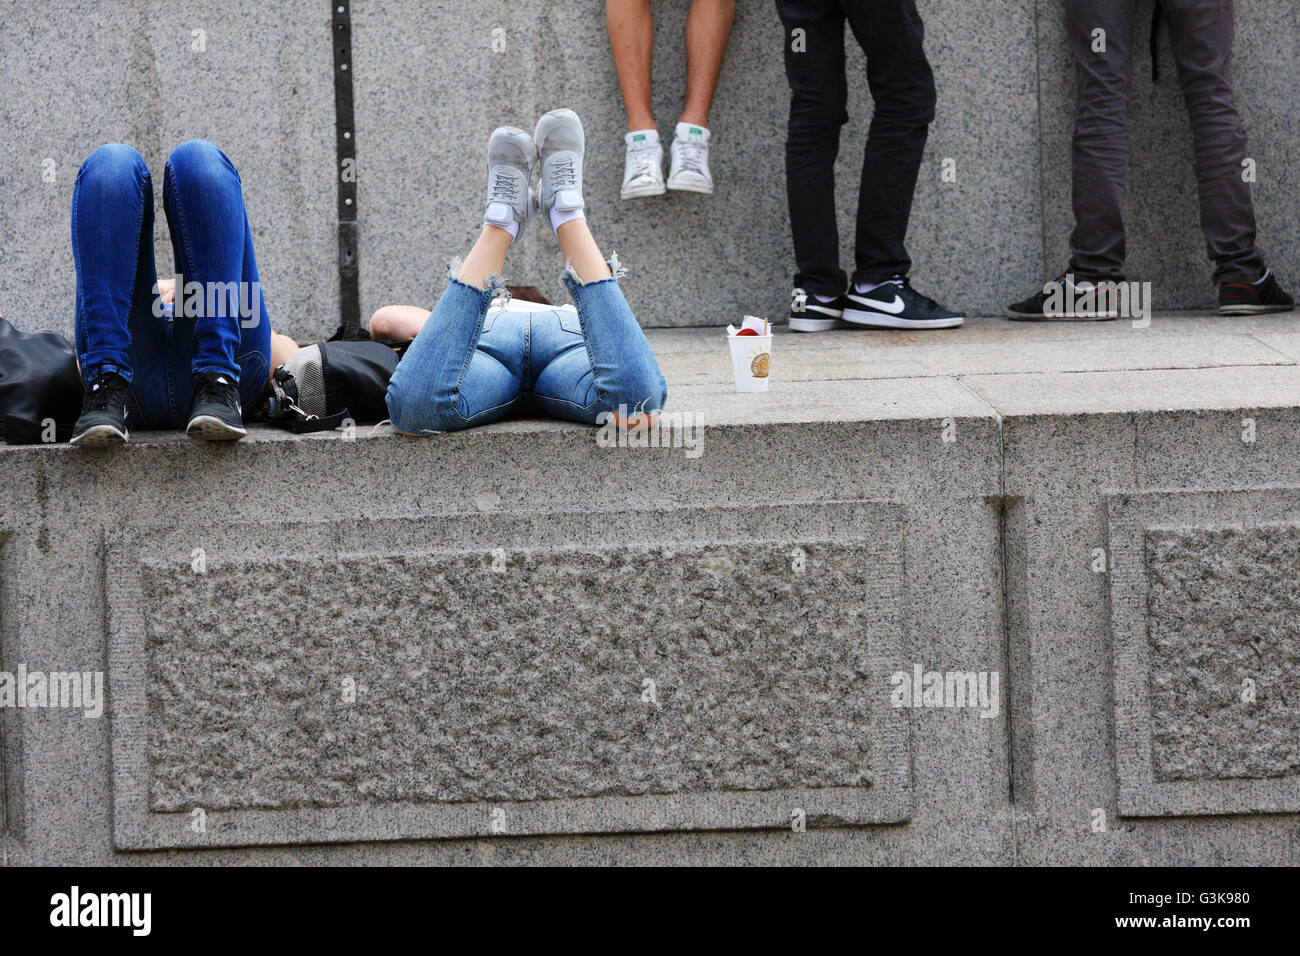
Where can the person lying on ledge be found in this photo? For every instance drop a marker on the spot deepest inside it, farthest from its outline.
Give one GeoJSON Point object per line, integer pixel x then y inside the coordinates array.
{"type": "Point", "coordinates": [141, 358]}
{"type": "Point", "coordinates": [479, 356]}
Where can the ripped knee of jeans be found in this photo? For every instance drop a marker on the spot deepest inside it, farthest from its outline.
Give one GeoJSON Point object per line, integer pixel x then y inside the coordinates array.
{"type": "Point", "coordinates": [616, 269]}
{"type": "Point", "coordinates": [493, 285]}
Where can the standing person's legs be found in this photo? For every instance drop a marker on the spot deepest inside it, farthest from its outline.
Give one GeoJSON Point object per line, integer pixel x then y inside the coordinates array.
{"type": "Point", "coordinates": [1101, 42]}
{"type": "Point", "coordinates": [814, 67]}
{"type": "Point", "coordinates": [213, 246]}
{"type": "Point", "coordinates": [892, 35]}
{"type": "Point", "coordinates": [1202, 33]}
{"type": "Point", "coordinates": [631, 39]}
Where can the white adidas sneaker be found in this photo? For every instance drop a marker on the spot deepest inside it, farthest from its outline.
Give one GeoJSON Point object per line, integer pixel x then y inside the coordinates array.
{"type": "Point", "coordinates": [689, 171]}
{"type": "Point", "coordinates": [643, 170]}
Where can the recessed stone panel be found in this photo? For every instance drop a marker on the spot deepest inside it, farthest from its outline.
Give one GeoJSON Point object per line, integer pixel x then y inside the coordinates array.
{"type": "Point", "coordinates": [472, 675]}
{"type": "Point", "coordinates": [1205, 596]}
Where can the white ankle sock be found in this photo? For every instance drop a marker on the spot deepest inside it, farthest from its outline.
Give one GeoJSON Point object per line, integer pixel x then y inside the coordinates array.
{"type": "Point", "coordinates": [642, 137]}
{"type": "Point", "coordinates": [560, 217]}
{"type": "Point", "coordinates": [684, 130]}
{"type": "Point", "coordinates": [513, 228]}
{"type": "Point", "coordinates": [862, 288]}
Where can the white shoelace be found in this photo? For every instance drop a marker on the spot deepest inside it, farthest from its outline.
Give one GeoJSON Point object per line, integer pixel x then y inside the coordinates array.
{"type": "Point", "coordinates": [504, 187]}
{"type": "Point", "coordinates": [643, 163]}
{"type": "Point", "coordinates": [563, 174]}
{"type": "Point", "coordinates": [694, 156]}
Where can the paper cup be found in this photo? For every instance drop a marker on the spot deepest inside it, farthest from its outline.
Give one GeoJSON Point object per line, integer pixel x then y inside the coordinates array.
{"type": "Point", "coordinates": [751, 361]}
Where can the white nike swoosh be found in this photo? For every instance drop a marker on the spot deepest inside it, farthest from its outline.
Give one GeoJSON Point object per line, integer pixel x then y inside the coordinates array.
{"type": "Point", "coordinates": [893, 308]}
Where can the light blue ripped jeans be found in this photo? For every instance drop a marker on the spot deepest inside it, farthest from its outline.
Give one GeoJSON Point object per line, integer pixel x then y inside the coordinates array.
{"type": "Point", "coordinates": [459, 373]}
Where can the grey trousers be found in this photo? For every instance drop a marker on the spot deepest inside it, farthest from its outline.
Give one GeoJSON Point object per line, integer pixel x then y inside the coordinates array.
{"type": "Point", "coordinates": [1202, 33]}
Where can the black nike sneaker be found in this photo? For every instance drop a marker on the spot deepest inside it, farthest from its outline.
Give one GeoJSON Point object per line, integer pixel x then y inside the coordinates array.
{"type": "Point", "coordinates": [1066, 300]}
{"type": "Point", "coordinates": [1254, 298]}
{"type": "Point", "coordinates": [810, 314]}
{"type": "Point", "coordinates": [103, 413]}
{"type": "Point", "coordinates": [215, 414]}
{"type": "Point", "coordinates": [896, 305]}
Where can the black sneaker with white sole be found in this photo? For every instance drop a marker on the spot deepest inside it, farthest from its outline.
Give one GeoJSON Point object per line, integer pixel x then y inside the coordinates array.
{"type": "Point", "coordinates": [215, 414]}
{"type": "Point", "coordinates": [1254, 298]}
{"type": "Point", "coordinates": [810, 314]}
{"type": "Point", "coordinates": [896, 305]}
{"type": "Point", "coordinates": [1066, 299]}
{"type": "Point", "coordinates": [103, 413]}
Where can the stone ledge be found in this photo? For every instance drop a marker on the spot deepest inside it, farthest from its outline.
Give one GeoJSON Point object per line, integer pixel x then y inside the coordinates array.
{"type": "Point", "coordinates": [990, 369]}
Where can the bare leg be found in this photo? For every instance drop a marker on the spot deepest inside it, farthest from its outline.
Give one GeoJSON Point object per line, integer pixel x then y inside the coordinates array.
{"type": "Point", "coordinates": [708, 26]}
{"type": "Point", "coordinates": [581, 252]}
{"type": "Point", "coordinates": [398, 323]}
{"type": "Point", "coordinates": [487, 258]}
{"type": "Point", "coordinates": [632, 40]}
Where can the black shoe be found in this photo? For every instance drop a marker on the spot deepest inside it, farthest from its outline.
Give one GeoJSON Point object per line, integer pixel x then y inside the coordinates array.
{"type": "Point", "coordinates": [1265, 295]}
{"type": "Point", "coordinates": [1065, 300]}
{"type": "Point", "coordinates": [103, 413]}
{"type": "Point", "coordinates": [215, 414]}
{"type": "Point", "coordinates": [810, 314]}
{"type": "Point", "coordinates": [896, 305]}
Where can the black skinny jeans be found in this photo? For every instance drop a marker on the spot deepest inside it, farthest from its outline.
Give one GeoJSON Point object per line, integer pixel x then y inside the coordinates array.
{"type": "Point", "coordinates": [892, 35]}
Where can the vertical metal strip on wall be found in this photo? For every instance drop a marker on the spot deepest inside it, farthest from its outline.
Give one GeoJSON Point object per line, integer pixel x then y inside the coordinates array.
{"type": "Point", "coordinates": [345, 174]}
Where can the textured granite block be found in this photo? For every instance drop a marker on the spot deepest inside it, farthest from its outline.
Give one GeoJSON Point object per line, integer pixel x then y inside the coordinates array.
{"type": "Point", "coordinates": [1204, 605]}
{"type": "Point", "coordinates": [430, 89]}
{"type": "Point", "coordinates": [254, 78]}
{"type": "Point", "coordinates": [513, 700]}
{"type": "Point", "coordinates": [1162, 216]}
{"type": "Point", "coordinates": [1222, 604]}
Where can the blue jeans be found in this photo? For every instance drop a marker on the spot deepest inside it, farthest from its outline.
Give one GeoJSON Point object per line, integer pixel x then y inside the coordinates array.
{"type": "Point", "coordinates": [459, 373]}
{"type": "Point", "coordinates": [120, 326]}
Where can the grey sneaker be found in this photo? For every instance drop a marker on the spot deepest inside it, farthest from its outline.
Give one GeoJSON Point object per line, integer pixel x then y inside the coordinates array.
{"type": "Point", "coordinates": [511, 155]}
{"type": "Point", "coordinates": [560, 143]}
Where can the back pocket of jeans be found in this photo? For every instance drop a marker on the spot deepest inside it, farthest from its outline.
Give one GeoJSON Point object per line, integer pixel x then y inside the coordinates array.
{"type": "Point", "coordinates": [569, 320]}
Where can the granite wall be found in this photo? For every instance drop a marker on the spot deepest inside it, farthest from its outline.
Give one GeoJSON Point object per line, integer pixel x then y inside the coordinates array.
{"type": "Point", "coordinates": [432, 79]}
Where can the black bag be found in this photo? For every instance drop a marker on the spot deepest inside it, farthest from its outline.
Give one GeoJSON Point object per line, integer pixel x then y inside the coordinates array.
{"type": "Point", "coordinates": [323, 385]}
{"type": "Point", "coordinates": [39, 381]}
